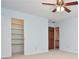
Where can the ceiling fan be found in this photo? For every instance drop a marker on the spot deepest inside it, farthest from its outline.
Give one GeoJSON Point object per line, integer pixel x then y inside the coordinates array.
{"type": "Point", "coordinates": [61, 6]}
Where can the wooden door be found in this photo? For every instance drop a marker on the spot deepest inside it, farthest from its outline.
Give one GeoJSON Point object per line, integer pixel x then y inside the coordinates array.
{"type": "Point", "coordinates": [56, 37]}
{"type": "Point", "coordinates": [51, 38]}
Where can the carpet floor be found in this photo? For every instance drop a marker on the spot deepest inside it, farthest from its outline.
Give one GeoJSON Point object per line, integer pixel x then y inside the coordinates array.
{"type": "Point", "coordinates": [53, 54]}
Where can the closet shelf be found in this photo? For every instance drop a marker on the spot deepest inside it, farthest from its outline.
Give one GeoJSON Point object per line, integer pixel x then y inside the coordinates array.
{"type": "Point", "coordinates": [16, 34]}
{"type": "Point", "coordinates": [17, 44]}
{"type": "Point", "coordinates": [16, 29]}
{"type": "Point", "coordinates": [18, 39]}
{"type": "Point", "coordinates": [17, 24]}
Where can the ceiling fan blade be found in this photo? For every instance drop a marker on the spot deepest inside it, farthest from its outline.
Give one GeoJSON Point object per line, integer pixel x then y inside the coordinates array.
{"type": "Point", "coordinates": [47, 4]}
{"type": "Point", "coordinates": [71, 3]}
{"type": "Point", "coordinates": [54, 10]}
{"type": "Point", "coordinates": [67, 10]}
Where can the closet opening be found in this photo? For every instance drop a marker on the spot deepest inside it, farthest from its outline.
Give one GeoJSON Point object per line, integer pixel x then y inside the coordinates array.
{"type": "Point", "coordinates": [53, 38]}
{"type": "Point", "coordinates": [17, 36]}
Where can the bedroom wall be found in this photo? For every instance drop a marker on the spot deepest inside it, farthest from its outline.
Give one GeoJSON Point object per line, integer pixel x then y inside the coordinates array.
{"type": "Point", "coordinates": [69, 35]}
{"type": "Point", "coordinates": [52, 23]}
{"type": "Point", "coordinates": [35, 32]}
{"type": "Point", "coordinates": [5, 37]}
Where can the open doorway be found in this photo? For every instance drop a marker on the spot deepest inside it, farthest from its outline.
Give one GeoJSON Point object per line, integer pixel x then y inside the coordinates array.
{"type": "Point", "coordinates": [53, 38]}
{"type": "Point", "coordinates": [17, 36]}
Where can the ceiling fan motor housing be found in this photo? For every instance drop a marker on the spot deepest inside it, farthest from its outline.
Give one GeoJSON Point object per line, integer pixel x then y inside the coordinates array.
{"type": "Point", "coordinates": [60, 2]}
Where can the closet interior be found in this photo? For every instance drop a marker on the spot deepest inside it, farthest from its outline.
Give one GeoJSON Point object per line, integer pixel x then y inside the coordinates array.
{"type": "Point", "coordinates": [17, 35]}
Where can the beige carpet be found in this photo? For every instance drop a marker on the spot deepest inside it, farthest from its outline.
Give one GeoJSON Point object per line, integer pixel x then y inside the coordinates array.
{"type": "Point", "coordinates": [54, 54]}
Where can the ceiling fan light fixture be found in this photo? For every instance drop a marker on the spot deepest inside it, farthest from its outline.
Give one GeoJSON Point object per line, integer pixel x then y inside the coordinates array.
{"type": "Point", "coordinates": [58, 8]}
{"type": "Point", "coordinates": [62, 9]}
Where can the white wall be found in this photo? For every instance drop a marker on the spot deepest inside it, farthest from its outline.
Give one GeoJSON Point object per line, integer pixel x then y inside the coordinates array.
{"type": "Point", "coordinates": [69, 35]}
{"type": "Point", "coordinates": [52, 23]}
{"type": "Point", "coordinates": [6, 37]}
{"type": "Point", "coordinates": [35, 32]}
{"type": "Point", "coordinates": [36, 35]}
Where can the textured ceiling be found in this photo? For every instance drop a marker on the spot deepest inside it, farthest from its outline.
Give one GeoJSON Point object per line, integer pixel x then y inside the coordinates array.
{"type": "Point", "coordinates": [35, 7]}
